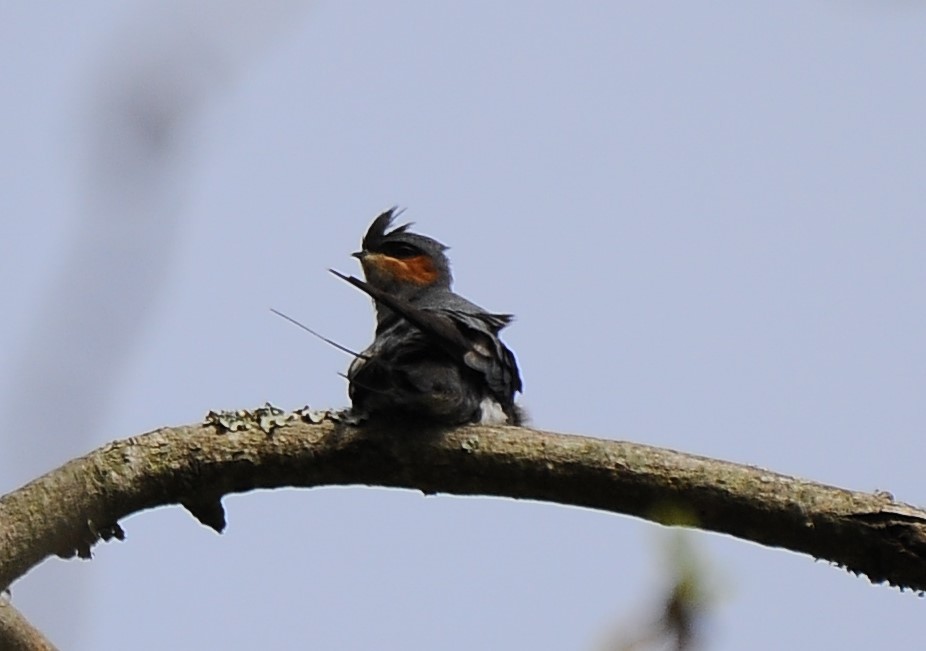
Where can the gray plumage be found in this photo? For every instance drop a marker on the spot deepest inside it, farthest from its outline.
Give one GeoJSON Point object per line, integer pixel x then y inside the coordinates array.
{"type": "Point", "coordinates": [436, 356]}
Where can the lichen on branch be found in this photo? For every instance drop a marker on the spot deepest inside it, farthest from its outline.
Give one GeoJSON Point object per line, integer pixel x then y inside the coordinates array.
{"type": "Point", "coordinates": [69, 509]}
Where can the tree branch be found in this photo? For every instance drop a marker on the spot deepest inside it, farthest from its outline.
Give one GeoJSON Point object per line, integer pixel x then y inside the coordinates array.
{"type": "Point", "coordinates": [69, 509]}
{"type": "Point", "coordinates": [17, 634]}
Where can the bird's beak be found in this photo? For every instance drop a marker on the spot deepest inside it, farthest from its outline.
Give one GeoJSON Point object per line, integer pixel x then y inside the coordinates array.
{"type": "Point", "coordinates": [360, 255]}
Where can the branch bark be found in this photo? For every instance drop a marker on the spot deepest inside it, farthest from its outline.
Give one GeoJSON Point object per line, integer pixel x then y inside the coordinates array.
{"type": "Point", "coordinates": [17, 634]}
{"type": "Point", "coordinates": [69, 509]}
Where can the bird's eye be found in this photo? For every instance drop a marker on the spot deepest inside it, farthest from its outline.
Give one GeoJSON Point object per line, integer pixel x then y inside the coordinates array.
{"type": "Point", "coordinates": [400, 250]}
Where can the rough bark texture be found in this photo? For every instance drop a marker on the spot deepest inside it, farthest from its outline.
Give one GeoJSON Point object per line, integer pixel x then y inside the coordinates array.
{"type": "Point", "coordinates": [17, 634]}
{"type": "Point", "coordinates": [66, 511]}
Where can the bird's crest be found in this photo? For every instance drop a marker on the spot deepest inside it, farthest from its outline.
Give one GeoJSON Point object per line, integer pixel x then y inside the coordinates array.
{"type": "Point", "coordinates": [377, 231]}
{"type": "Point", "coordinates": [378, 235]}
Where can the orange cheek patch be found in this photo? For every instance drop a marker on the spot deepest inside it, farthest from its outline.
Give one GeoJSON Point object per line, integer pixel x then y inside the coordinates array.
{"type": "Point", "coordinates": [419, 270]}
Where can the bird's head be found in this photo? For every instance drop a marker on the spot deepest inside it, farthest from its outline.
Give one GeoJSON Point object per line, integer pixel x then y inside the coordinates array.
{"type": "Point", "coordinates": [401, 262]}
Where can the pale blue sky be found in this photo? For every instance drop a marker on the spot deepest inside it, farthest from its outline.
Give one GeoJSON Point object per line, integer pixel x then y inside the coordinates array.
{"type": "Point", "coordinates": [707, 218]}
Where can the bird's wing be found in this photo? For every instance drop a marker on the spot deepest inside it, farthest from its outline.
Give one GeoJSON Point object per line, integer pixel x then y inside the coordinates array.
{"type": "Point", "coordinates": [467, 335]}
{"type": "Point", "coordinates": [487, 353]}
{"type": "Point", "coordinates": [434, 323]}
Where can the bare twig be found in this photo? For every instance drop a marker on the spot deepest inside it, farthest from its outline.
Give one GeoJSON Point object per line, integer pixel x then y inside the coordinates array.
{"type": "Point", "coordinates": [68, 510]}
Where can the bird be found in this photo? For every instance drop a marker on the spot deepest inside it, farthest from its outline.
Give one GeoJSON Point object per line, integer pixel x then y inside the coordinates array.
{"type": "Point", "coordinates": [436, 357]}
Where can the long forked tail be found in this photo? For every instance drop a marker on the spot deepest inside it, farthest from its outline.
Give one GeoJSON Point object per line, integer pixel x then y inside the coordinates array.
{"type": "Point", "coordinates": [343, 349]}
